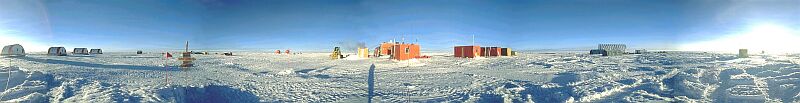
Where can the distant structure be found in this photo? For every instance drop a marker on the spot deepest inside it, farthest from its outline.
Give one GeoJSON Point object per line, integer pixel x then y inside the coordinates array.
{"type": "Point", "coordinates": [363, 52]}
{"type": "Point", "coordinates": [228, 53]}
{"type": "Point", "coordinates": [187, 58]}
{"type": "Point", "coordinates": [83, 51]}
{"type": "Point", "coordinates": [95, 51]}
{"type": "Point", "coordinates": [596, 51]}
{"type": "Point", "coordinates": [13, 50]}
{"type": "Point", "coordinates": [609, 49]}
{"type": "Point", "coordinates": [57, 51]}
{"type": "Point", "coordinates": [640, 51]}
{"type": "Point", "coordinates": [467, 51]}
{"type": "Point", "coordinates": [743, 53]}
{"type": "Point", "coordinates": [139, 52]}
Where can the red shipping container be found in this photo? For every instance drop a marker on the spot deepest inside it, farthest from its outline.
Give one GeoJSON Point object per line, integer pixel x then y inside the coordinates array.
{"type": "Point", "coordinates": [467, 51]}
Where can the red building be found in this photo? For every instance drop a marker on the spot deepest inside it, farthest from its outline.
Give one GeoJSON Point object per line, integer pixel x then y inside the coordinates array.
{"type": "Point", "coordinates": [467, 51]}
{"type": "Point", "coordinates": [490, 51]}
{"type": "Point", "coordinates": [405, 51]}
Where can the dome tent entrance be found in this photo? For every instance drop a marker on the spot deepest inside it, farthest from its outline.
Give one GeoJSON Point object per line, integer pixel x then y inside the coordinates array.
{"type": "Point", "coordinates": [13, 50]}
{"type": "Point", "coordinates": [57, 51]}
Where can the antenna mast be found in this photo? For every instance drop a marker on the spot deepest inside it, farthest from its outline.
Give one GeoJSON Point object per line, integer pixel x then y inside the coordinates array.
{"type": "Point", "coordinates": [473, 39]}
{"type": "Point", "coordinates": [187, 46]}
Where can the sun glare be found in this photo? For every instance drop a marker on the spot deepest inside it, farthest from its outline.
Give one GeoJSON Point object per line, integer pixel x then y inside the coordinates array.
{"type": "Point", "coordinates": [769, 38]}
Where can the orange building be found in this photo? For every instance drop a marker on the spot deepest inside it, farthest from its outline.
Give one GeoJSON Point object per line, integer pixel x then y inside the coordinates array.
{"type": "Point", "coordinates": [384, 49]}
{"type": "Point", "coordinates": [467, 51]}
{"type": "Point", "coordinates": [405, 51]}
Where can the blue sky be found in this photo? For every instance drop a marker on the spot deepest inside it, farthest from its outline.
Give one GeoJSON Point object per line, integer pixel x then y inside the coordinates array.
{"type": "Point", "coordinates": [318, 25]}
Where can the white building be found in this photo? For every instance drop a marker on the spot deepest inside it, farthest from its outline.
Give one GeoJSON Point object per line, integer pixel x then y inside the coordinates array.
{"type": "Point", "coordinates": [608, 47]}
{"type": "Point", "coordinates": [612, 49]}
{"type": "Point", "coordinates": [13, 50]}
{"type": "Point", "coordinates": [80, 51]}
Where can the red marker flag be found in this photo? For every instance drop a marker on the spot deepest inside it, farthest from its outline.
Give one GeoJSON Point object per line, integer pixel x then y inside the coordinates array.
{"type": "Point", "coordinates": [168, 55]}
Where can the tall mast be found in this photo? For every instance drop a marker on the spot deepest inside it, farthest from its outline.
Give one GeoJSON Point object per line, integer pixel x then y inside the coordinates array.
{"type": "Point", "coordinates": [403, 38]}
{"type": "Point", "coordinates": [187, 46]}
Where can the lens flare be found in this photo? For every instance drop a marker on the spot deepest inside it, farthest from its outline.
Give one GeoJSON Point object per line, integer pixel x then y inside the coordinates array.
{"type": "Point", "coordinates": [770, 38]}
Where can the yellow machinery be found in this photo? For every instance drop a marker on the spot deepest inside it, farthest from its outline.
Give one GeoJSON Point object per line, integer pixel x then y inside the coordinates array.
{"type": "Point", "coordinates": [336, 53]}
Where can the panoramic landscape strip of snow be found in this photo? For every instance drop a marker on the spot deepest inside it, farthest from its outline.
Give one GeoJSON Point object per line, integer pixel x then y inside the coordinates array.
{"type": "Point", "coordinates": [312, 77]}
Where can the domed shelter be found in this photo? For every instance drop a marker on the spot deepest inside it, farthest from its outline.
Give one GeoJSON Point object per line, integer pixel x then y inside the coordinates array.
{"type": "Point", "coordinates": [83, 51]}
{"type": "Point", "coordinates": [95, 51]}
{"type": "Point", "coordinates": [13, 50]}
{"type": "Point", "coordinates": [57, 51]}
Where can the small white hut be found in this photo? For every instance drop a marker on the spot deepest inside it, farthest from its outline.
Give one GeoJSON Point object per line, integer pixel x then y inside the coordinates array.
{"type": "Point", "coordinates": [80, 51]}
{"type": "Point", "coordinates": [13, 50]}
{"type": "Point", "coordinates": [95, 51]}
{"type": "Point", "coordinates": [57, 51]}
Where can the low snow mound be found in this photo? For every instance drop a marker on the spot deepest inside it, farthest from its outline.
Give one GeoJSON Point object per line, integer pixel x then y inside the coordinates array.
{"type": "Point", "coordinates": [206, 94]}
{"type": "Point", "coordinates": [410, 63]}
{"type": "Point", "coordinates": [22, 86]}
{"type": "Point", "coordinates": [354, 58]}
{"type": "Point", "coordinates": [36, 87]}
{"type": "Point", "coordinates": [82, 90]}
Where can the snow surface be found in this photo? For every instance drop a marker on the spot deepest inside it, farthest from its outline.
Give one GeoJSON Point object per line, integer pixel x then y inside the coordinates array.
{"type": "Point", "coordinates": [313, 77]}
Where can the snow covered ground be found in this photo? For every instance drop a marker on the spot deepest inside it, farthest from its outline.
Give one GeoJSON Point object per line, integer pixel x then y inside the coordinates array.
{"type": "Point", "coordinates": [312, 77]}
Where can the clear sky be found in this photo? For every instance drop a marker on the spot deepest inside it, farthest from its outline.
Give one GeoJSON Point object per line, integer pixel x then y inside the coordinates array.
{"type": "Point", "coordinates": [319, 25]}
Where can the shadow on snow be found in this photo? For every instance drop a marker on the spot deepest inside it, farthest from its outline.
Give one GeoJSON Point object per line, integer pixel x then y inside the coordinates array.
{"type": "Point", "coordinates": [94, 65]}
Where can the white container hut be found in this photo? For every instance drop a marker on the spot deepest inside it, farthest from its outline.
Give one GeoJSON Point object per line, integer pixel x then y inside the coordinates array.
{"type": "Point", "coordinates": [57, 51]}
{"type": "Point", "coordinates": [13, 50]}
{"type": "Point", "coordinates": [95, 51]}
{"type": "Point", "coordinates": [83, 51]}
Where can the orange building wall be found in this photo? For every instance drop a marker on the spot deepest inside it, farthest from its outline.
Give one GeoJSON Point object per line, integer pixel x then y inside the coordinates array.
{"type": "Point", "coordinates": [400, 51]}
{"type": "Point", "coordinates": [385, 49]}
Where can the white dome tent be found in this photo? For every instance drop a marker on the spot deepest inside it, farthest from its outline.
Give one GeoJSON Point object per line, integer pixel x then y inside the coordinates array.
{"type": "Point", "coordinates": [95, 51]}
{"type": "Point", "coordinates": [57, 51]}
{"type": "Point", "coordinates": [13, 50]}
{"type": "Point", "coordinates": [83, 51]}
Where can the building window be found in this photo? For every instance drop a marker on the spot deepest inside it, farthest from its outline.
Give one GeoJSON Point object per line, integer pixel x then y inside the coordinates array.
{"type": "Point", "coordinates": [407, 50]}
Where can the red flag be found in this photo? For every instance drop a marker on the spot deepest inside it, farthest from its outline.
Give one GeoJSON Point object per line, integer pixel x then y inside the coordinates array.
{"type": "Point", "coordinates": [168, 55]}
